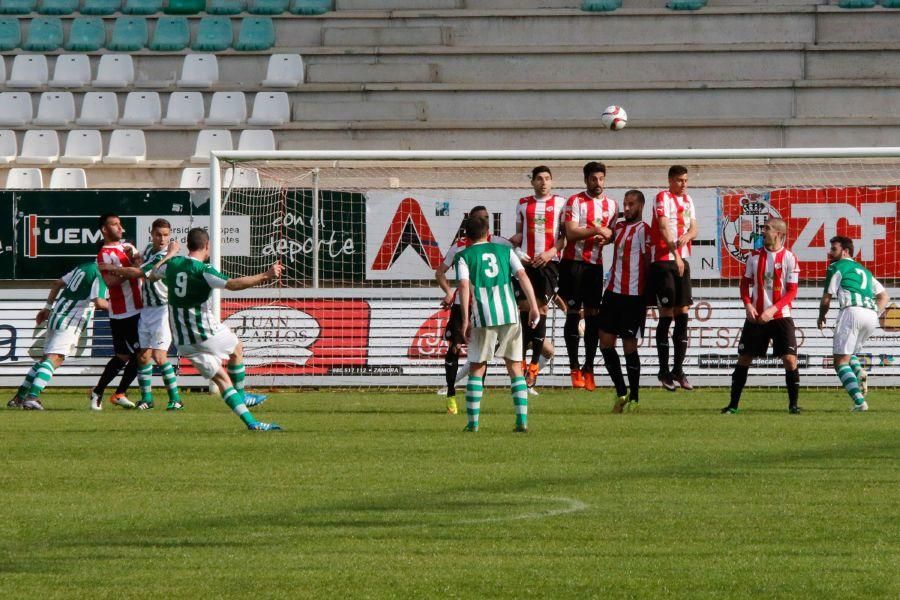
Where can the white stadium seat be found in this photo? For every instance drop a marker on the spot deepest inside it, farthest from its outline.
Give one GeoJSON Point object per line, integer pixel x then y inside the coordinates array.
{"type": "Point", "coordinates": [256, 139]}
{"type": "Point", "coordinates": [71, 71]}
{"type": "Point", "coordinates": [39, 147]}
{"type": "Point", "coordinates": [68, 179]}
{"type": "Point", "coordinates": [284, 71]}
{"type": "Point", "coordinates": [2, 69]}
{"type": "Point", "coordinates": [209, 140]}
{"type": "Point", "coordinates": [270, 108]}
{"type": "Point", "coordinates": [83, 146]}
{"type": "Point", "coordinates": [199, 71]}
{"type": "Point", "coordinates": [55, 109]}
{"type": "Point", "coordinates": [15, 108]}
{"type": "Point", "coordinates": [24, 179]}
{"type": "Point", "coordinates": [141, 109]}
{"type": "Point", "coordinates": [194, 178]}
{"type": "Point", "coordinates": [126, 147]}
{"type": "Point", "coordinates": [115, 71]}
{"type": "Point", "coordinates": [227, 108]}
{"type": "Point", "coordinates": [185, 108]}
{"type": "Point", "coordinates": [28, 71]}
{"type": "Point", "coordinates": [9, 148]}
{"type": "Point", "coordinates": [99, 109]}
{"type": "Point", "coordinates": [241, 178]}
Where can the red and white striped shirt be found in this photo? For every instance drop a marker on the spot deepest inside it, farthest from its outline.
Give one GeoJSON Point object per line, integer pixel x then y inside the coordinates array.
{"type": "Point", "coordinates": [585, 211]}
{"type": "Point", "coordinates": [463, 243]}
{"type": "Point", "coordinates": [770, 274]}
{"type": "Point", "coordinates": [679, 210]}
{"type": "Point", "coordinates": [631, 256]}
{"type": "Point", "coordinates": [538, 220]}
{"type": "Point", "coordinates": [125, 299]}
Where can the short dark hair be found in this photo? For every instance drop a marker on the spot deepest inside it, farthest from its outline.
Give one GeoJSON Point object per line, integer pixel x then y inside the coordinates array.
{"type": "Point", "coordinates": [159, 223]}
{"type": "Point", "coordinates": [845, 242]}
{"type": "Point", "coordinates": [106, 217]}
{"type": "Point", "coordinates": [540, 169]}
{"type": "Point", "coordinates": [479, 208]}
{"type": "Point", "coordinates": [476, 228]}
{"type": "Point", "coordinates": [196, 239]}
{"type": "Point", "coordinates": [594, 167]}
{"type": "Point", "coordinates": [677, 171]}
{"type": "Point", "coordinates": [637, 194]}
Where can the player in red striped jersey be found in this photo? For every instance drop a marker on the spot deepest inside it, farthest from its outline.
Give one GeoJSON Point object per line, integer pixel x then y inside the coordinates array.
{"type": "Point", "coordinates": [674, 226]}
{"type": "Point", "coordinates": [768, 288]}
{"type": "Point", "coordinates": [124, 313]}
{"type": "Point", "coordinates": [588, 219]}
{"type": "Point", "coordinates": [624, 308]}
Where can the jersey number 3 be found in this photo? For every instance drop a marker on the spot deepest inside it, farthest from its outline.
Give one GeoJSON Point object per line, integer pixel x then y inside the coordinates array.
{"type": "Point", "coordinates": [492, 269]}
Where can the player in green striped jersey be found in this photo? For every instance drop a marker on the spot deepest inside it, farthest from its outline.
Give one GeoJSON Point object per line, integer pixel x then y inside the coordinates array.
{"type": "Point", "coordinates": [199, 335]}
{"type": "Point", "coordinates": [69, 310]}
{"type": "Point", "coordinates": [483, 272]}
{"type": "Point", "coordinates": [862, 299]}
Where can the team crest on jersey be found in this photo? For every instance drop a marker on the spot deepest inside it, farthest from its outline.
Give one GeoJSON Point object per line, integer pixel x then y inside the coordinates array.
{"type": "Point", "coordinates": [743, 234]}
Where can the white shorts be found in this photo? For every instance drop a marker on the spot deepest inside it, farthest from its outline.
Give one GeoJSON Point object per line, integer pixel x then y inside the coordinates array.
{"type": "Point", "coordinates": [207, 356]}
{"type": "Point", "coordinates": [61, 341]}
{"type": "Point", "coordinates": [154, 332]}
{"type": "Point", "coordinates": [853, 327]}
{"type": "Point", "coordinates": [504, 341]}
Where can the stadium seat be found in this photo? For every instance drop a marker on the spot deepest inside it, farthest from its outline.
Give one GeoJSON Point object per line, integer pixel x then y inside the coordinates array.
{"type": "Point", "coordinates": [39, 146]}
{"type": "Point", "coordinates": [10, 36]}
{"type": "Point", "coordinates": [686, 4]}
{"type": "Point", "coordinates": [142, 109]}
{"type": "Point", "coordinates": [270, 108]}
{"type": "Point", "coordinates": [15, 108]}
{"type": "Point", "coordinates": [225, 7]}
{"type": "Point", "coordinates": [227, 108]}
{"type": "Point", "coordinates": [310, 7]}
{"type": "Point", "coordinates": [24, 179]}
{"type": "Point", "coordinates": [857, 3]}
{"type": "Point", "coordinates": [28, 71]}
{"type": "Point", "coordinates": [128, 35]}
{"type": "Point", "coordinates": [890, 3]}
{"type": "Point", "coordinates": [284, 71]}
{"type": "Point", "coordinates": [199, 71]}
{"type": "Point", "coordinates": [209, 140]}
{"type": "Point", "coordinates": [257, 139]}
{"type": "Point", "coordinates": [214, 34]}
{"type": "Point", "coordinates": [142, 7]}
{"type": "Point", "coordinates": [83, 146]}
{"type": "Point", "coordinates": [44, 35]}
{"type": "Point", "coordinates": [241, 178]}
{"type": "Point", "coordinates": [185, 108]}
{"type": "Point", "coordinates": [257, 33]}
{"type": "Point", "coordinates": [171, 34]}
{"type": "Point", "coordinates": [267, 7]}
{"type": "Point", "coordinates": [99, 109]}
{"type": "Point", "coordinates": [17, 7]}
{"type": "Point", "coordinates": [71, 71]}
{"type": "Point", "coordinates": [100, 7]}
{"type": "Point", "coordinates": [58, 7]}
{"type": "Point", "coordinates": [55, 109]}
{"type": "Point", "coordinates": [72, 178]}
{"type": "Point", "coordinates": [87, 34]}
{"type": "Point", "coordinates": [9, 149]}
{"type": "Point", "coordinates": [115, 71]}
{"type": "Point", "coordinates": [126, 147]}
{"type": "Point", "coordinates": [601, 5]}
{"type": "Point", "coordinates": [194, 178]}
{"type": "Point", "coordinates": [2, 70]}
{"type": "Point", "coordinates": [185, 7]}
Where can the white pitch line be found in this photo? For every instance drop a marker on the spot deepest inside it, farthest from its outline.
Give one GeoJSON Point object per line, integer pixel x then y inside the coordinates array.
{"type": "Point", "coordinates": [571, 506]}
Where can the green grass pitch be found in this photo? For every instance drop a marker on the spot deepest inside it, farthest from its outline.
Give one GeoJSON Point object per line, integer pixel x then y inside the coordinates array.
{"type": "Point", "coordinates": [379, 494]}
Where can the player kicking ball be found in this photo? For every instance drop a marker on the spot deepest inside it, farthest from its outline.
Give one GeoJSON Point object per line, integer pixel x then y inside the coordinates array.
{"type": "Point", "coordinates": [199, 335]}
{"type": "Point", "coordinates": [483, 271]}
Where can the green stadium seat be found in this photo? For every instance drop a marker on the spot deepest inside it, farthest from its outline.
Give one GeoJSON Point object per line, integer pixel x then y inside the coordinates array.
{"type": "Point", "coordinates": [185, 7]}
{"type": "Point", "coordinates": [601, 5]}
{"type": "Point", "coordinates": [10, 37]}
{"type": "Point", "coordinates": [58, 7]}
{"type": "Point", "coordinates": [44, 35]}
{"type": "Point", "coordinates": [857, 3]}
{"type": "Point", "coordinates": [685, 4]}
{"type": "Point", "coordinates": [17, 7]}
{"type": "Point", "coordinates": [267, 7]}
{"type": "Point", "coordinates": [142, 7]}
{"type": "Point", "coordinates": [225, 7]}
{"type": "Point", "coordinates": [100, 7]}
{"type": "Point", "coordinates": [310, 7]}
{"type": "Point", "coordinates": [86, 35]}
{"type": "Point", "coordinates": [214, 34]}
{"type": "Point", "coordinates": [129, 34]}
{"type": "Point", "coordinates": [890, 3]}
{"type": "Point", "coordinates": [172, 34]}
{"type": "Point", "coordinates": [257, 33]}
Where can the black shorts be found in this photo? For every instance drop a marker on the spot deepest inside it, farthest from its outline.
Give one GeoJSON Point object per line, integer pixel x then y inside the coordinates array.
{"type": "Point", "coordinates": [544, 280]}
{"type": "Point", "coordinates": [580, 284]}
{"type": "Point", "coordinates": [453, 333]}
{"type": "Point", "coordinates": [623, 316]}
{"type": "Point", "coordinates": [669, 289]}
{"type": "Point", "coordinates": [125, 334]}
{"type": "Point", "coordinates": [755, 338]}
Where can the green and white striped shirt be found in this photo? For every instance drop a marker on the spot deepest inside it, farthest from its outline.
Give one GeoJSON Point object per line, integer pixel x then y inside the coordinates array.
{"type": "Point", "coordinates": [74, 306]}
{"type": "Point", "coordinates": [155, 293]}
{"type": "Point", "coordinates": [190, 283]}
{"type": "Point", "coordinates": [488, 267]}
{"type": "Point", "coordinates": [852, 284]}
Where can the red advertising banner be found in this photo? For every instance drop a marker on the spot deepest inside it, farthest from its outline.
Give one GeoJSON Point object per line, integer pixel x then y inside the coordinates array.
{"type": "Point", "coordinates": [813, 216]}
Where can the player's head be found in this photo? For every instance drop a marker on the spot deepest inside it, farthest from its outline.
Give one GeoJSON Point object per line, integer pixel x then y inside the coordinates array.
{"type": "Point", "coordinates": [111, 228]}
{"type": "Point", "coordinates": [160, 233]}
{"type": "Point", "coordinates": [198, 242]}
{"type": "Point", "coordinates": [774, 233]}
{"type": "Point", "coordinates": [477, 228]}
{"type": "Point", "coordinates": [541, 180]}
{"type": "Point", "coordinates": [678, 178]}
{"type": "Point", "coordinates": [841, 247]}
{"type": "Point", "coordinates": [594, 178]}
{"type": "Point", "coordinates": [633, 206]}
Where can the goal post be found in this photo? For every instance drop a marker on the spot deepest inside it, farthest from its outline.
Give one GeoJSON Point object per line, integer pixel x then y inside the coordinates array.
{"type": "Point", "coordinates": [361, 232]}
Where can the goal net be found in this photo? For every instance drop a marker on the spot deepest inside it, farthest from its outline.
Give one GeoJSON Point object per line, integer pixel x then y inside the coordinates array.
{"type": "Point", "coordinates": [361, 234]}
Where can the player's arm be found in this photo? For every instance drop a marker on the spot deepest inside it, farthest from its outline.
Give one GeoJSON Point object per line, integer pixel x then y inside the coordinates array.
{"type": "Point", "coordinates": [824, 305]}
{"type": "Point", "coordinates": [51, 298]}
{"type": "Point", "coordinates": [691, 233]}
{"type": "Point", "coordinates": [249, 281]}
{"type": "Point", "coordinates": [101, 303]}
{"type": "Point", "coordinates": [440, 275]}
{"type": "Point", "coordinates": [832, 284]}
{"type": "Point", "coordinates": [121, 273]}
{"type": "Point", "coordinates": [791, 268]}
{"type": "Point", "coordinates": [99, 293]}
{"type": "Point", "coordinates": [752, 315]}
{"type": "Point", "coordinates": [462, 288]}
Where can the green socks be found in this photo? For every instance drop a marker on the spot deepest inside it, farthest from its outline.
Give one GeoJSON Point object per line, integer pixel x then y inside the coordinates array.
{"type": "Point", "coordinates": [168, 375]}
{"type": "Point", "coordinates": [235, 402]}
{"type": "Point", "coordinates": [850, 383]}
{"type": "Point", "coordinates": [474, 391]}
{"type": "Point", "coordinates": [42, 377]}
{"type": "Point", "coordinates": [145, 379]}
{"type": "Point", "coordinates": [237, 375]}
{"type": "Point", "coordinates": [856, 366]}
{"type": "Point", "coordinates": [29, 379]}
{"type": "Point", "coordinates": [520, 401]}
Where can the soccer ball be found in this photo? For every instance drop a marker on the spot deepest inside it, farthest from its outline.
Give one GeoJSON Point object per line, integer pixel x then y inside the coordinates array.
{"type": "Point", "coordinates": [614, 117]}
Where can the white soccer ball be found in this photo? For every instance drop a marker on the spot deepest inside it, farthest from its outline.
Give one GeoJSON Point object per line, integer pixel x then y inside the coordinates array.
{"type": "Point", "coordinates": [614, 117]}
